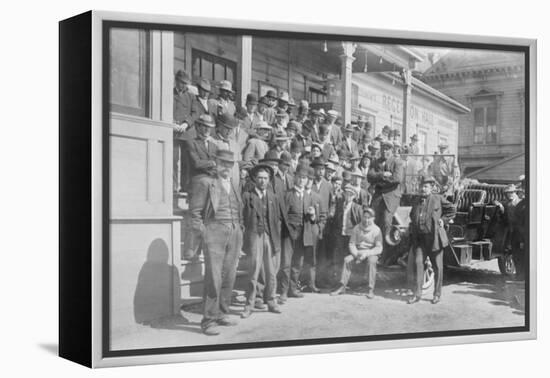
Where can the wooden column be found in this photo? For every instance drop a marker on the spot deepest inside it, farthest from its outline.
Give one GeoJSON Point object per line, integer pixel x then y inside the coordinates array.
{"type": "Point", "coordinates": [406, 74]}
{"type": "Point", "coordinates": [348, 49]}
{"type": "Point", "coordinates": [244, 68]}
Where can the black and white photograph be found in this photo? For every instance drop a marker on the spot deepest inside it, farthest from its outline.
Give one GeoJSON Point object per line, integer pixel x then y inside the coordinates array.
{"type": "Point", "coordinates": [270, 188]}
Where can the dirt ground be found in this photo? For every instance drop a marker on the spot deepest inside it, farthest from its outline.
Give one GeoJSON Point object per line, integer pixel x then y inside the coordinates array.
{"type": "Point", "coordinates": [480, 298]}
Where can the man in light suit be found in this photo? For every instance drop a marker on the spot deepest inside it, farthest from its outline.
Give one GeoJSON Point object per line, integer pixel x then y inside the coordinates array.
{"type": "Point", "coordinates": [386, 175]}
{"type": "Point", "coordinates": [429, 216]}
{"type": "Point", "coordinates": [223, 104]}
{"type": "Point", "coordinates": [216, 212]}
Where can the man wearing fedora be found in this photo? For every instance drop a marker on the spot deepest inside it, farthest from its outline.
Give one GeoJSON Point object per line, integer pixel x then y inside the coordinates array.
{"type": "Point", "coordinates": [270, 99]}
{"type": "Point", "coordinates": [386, 175]}
{"type": "Point", "coordinates": [216, 212]}
{"type": "Point", "coordinates": [223, 139]}
{"type": "Point", "coordinates": [282, 107]}
{"type": "Point", "coordinates": [182, 114]}
{"type": "Point", "coordinates": [429, 215]}
{"type": "Point", "coordinates": [513, 213]}
{"type": "Point", "coordinates": [257, 144]}
{"type": "Point", "coordinates": [365, 244]}
{"type": "Point", "coordinates": [252, 116]}
{"type": "Point", "coordinates": [333, 128]}
{"type": "Point", "coordinates": [201, 151]}
{"type": "Point", "coordinates": [262, 239]}
{"type": "Point", "coordinates": [222, 104]}
{"type": "Point", "coordinates": [302, 219]}
{"type": "Point", "coordinates": [200, 105]}
{"type": "Point", "coordinates": [348, 143]}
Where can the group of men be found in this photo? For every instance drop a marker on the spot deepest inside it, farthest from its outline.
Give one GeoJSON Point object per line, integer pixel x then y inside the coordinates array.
{"type": "Point", "coordinates": [303, 196]}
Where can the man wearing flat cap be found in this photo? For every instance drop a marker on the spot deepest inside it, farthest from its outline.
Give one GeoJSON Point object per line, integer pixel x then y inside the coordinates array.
{"type": "Point", "coordinates": [429, 215]}
{"type": "Point", "coordinates": [385, 175]}
{"type": "Point", "coordinates": [365, 244]}
{"type": "Point", "coordinates": [216, 212]}
{"type": "Point", "coordinates": [223, 104]}
{"type": "Point", "coordinates": [183, 118]}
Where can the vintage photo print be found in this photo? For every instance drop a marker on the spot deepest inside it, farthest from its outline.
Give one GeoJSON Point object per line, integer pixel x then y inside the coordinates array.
{"type": "Point", "coordinates": [272, 189]}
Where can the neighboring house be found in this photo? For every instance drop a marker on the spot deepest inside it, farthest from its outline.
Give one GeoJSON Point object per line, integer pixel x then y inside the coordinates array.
{"type": "Point", "coordinates": [491, 142]}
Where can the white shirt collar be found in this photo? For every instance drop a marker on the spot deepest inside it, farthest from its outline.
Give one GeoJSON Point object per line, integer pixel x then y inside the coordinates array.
{"type": "Point", "coordinates": [261, 193]}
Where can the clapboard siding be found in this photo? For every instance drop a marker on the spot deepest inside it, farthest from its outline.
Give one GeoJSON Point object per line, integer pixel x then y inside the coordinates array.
{"type": "Point", "coordinates": [511, 126]}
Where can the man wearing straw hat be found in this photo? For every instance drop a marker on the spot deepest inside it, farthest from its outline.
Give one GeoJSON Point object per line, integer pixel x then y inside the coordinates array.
{"type": "Point", "coordinates": [216, 212]}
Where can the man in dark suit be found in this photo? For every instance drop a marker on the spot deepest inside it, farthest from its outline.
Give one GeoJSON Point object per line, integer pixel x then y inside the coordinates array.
{"type": "Point", "coordinates": [347, 214]}
{"type": "Point", "coordinates": [216, 212]}
{"type": "Point", "coordinates": [386, 175]}
{"type": "Point", "coordinates": [200, 105]}
{"type": "Point", "coordinates": [201, 151]}
{"type": "Point", "coordinates": [262, 238]}
{"type": "Point", "coordinates": [429, 216]}
{"type": "Point", "coordinates": [302, 229]}
{"type": "Point", "coordinates": [183, 119]}
{"type": "Point", "coordinates": [348, 144]}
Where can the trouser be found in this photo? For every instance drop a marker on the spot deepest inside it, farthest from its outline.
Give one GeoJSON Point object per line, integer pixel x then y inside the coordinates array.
{"type": "Point", "coordinates": [383, 219]}
{"type": "Point", "coordinates": [223, 242]}
{"type": "Point", "coordinates": [422, 248]}
{"type": "Point", "coordinates": [300, 255]}
{"type": "Point", "coordinates": [350, 262]}
{"type": "Point", "coordinates": [324, 256]}
{"type": "Point", "coordinates": [261, 257]}
{"type": "Point", "coordinates": [285, 264]}
{"type": "Point", "coordinates": [339, 252]}
{"type": "Point", "coordinates": [177, 165]}
{"type": "Point", "coordinates": [518, 252]}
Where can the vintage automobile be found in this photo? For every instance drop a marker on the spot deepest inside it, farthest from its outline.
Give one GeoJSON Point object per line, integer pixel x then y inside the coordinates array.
{"type": "Point", "coordinates": [476, 233]}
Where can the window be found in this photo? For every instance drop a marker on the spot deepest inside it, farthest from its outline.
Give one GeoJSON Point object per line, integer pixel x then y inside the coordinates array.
{"type": "Point", "coordinates": [129, 71]}
{"type": "Point", "coordinates": [317, 96]}
{"type": "Point", "coordinates": [485, 122]}
{"type": "Point", "coordinates": [213, 68]}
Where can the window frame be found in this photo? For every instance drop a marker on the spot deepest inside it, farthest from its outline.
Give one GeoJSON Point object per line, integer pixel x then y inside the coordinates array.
{"type": "Point", "coordinates": [145, 61]}
{"type": "Point", "coordinates": [214, 60]}
{"type": "Point", "coordinates": [484, 103]}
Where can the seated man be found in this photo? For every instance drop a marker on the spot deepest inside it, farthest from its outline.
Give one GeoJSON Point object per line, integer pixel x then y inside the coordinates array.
{"type": "Point", "coordinates": [365, 244]}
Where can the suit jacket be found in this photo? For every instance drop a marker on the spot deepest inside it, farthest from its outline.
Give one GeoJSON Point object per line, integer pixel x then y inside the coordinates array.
{"type": "Point", "coordinates": [324, 193]}
{"type": "Point", "coordinates": [387, 187]}
{"type": "Point", "coordinates": [201, 157]}
{"type": "Point", "coordinates": [438, 208]}
{"type": "Point", "coordinates": [344, 146]}
{"type": "Point", "coordinates": [252, 211]}
{"type": "Point", "coordinates": [294, 210]}
{"type": "Point", "coordinates": [197, 109]}
{"type": "Point", "coordinates": [255, 150]}
{"type": "Point", "coordinates": [355, 213]}
{"type": "Point", "coordinates": [217, 107]}
{"type": "Point", "coordinates": [183, 103]}
{"type": "Point", "coordinates": [205, 201]}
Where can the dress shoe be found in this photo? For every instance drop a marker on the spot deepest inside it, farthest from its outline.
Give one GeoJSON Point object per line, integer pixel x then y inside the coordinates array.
{"type": "Point", "coordinates": [341, 289]}
{"type": "Point", "coordinates": [246, 312]}
{"type": "Point", "coordinates": [211, 329]}
{"type": "Point", "coordinates": [413, 299]}
{"type": "Point", "coordinates": [370, 294]}
{"type": "Point", "coordinates": [274, 308]}
{"type": "Point", "coordinates": [259, 304]}
{"type": "Point", "coordinates": [436, 299]}
{"type": "Point", "coordinates": [295, 294]}
{"type": "Point", "coordinates": [226, 322]}
{"type": "Point", "coordinates": [313, 289]}
{"type": "Point", "coordinates": [282, 299]}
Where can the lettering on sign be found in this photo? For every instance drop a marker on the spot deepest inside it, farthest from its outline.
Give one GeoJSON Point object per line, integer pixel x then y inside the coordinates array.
{"type": "Point", "coordinates": [392, 104]}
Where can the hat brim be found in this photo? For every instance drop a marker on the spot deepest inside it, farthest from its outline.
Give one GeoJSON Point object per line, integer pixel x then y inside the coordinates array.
{"type": "Point", "coordinates": [227, 160]}
{"type": "Point", "coordinates": [210, 125]}
{"type": "Point", "coordinates": [227, 90]}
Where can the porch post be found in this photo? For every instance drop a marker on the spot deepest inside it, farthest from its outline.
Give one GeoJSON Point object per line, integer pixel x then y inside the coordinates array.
{"type": "Point", "coordinates": [244, 68]}
{"type": "Point", "coordinates": [348, 48]}
{"type": "Point", "coordinates": [406, 74]}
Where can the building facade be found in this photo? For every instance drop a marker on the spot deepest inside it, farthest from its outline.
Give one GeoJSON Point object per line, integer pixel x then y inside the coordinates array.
{"type": "Point", "coordinates": [491, 143]}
